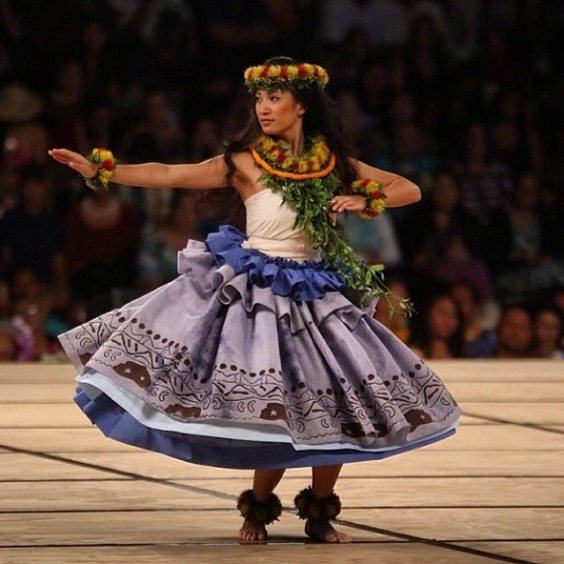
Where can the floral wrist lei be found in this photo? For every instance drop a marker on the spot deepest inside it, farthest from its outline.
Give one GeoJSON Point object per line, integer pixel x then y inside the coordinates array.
{"type": "Point", "coordinates": [316, 161]}
{"type": "Point", "coordinates": [106, 163]}
{"type": "Point", "coordinates": [285, 77]}
{"type": "Point", "coordinates": [373, 194]}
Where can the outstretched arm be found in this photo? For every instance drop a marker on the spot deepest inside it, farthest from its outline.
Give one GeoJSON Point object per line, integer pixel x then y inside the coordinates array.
{"type": "Point", "coordinates": [208, 174]}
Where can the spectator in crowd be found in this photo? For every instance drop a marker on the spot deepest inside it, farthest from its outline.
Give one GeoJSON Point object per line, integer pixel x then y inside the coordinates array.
{"type": "Point", "coordinates": [376, 241]}
{"type": "Point", "coordinates": [157, 259]}
{"type": "Point", "coordinates": [31, 335]}
{"type": "Point", "coordinates": [443, 238]}
{"type": "Point", "coordinates": [548, 330]}
{"type": "Point", "coordinates": [485, 183]}
{"type": "Point", "coordinates": [556, 297]}
{"type": "Point", "coordinates": [383, 20]}
{"type": "Point", "coordinates": [33, 323]}
{"type": "Point", "coordinates": [161, 122]}
{"type": "Point", "coordinates": [65, 106]}
{"type": "Point", "coordinates": [426, 53]}
{"type": "Point", "coordinates": [94, 53]}
{"type": "Point", "coordinates": [25, 139]}
{"type": "Point", "coordinates": [101, 237]}
{"type": "Point", "coordinates": [8, 350]}
{"type": "Point", "coordinates": [478, 318]}
{"type": "Point", "coordinates": [351, 68]}
{"type": "Point", "coordinates": [237, 30]}
{"type": "Point", "coordinates": [514, 333]}
{"type": "Point", "coordinates": [205, 140]}
{"type": "Point", "coordinates": [5, 302]}
{"type": "Point", "coordinates": [157, 130]}
{"type": "Point", "coordinates": [437, 331]}
{"type": "Point", "coordinates": [31, 237]}
{"type": "Point", "coordinates": [529, 243]}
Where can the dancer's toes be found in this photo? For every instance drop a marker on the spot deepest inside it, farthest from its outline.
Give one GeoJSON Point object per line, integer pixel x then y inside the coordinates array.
{"type": "Point", "coordinates": [323, 531]}
{"type": "Point", "coordinates": [252, 531]}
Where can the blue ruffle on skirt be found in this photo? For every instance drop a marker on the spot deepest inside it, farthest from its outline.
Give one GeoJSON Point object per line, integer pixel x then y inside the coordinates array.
{"type": "Point", "coordinates": [302, 281]}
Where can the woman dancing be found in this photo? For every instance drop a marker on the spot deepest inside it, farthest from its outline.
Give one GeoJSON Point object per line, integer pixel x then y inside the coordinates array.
{"type": "Point", "coordinates": [263, 353]}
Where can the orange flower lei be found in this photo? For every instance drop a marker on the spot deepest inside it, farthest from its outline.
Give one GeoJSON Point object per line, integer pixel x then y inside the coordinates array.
{"type": "Point", "coordinates": [316, 161]}
{"type": "Point", "coordinates": [106, 163]}
{"type": "Point", "coordinates": [372, 192]}
{"type": "Point", "coordinates": [284, 77]}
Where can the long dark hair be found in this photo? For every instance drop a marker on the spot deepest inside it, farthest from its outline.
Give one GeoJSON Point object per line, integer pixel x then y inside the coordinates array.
{"type": "Point", "coordinates": [321, 118]}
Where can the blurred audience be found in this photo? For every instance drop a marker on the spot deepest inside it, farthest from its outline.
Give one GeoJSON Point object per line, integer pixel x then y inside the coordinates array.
{"type": "Point", "coordinates": [461, 97]}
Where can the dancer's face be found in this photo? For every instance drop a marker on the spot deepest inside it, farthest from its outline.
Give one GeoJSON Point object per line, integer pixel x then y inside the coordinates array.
{"type": "Point", "coordinates": [279, 113]}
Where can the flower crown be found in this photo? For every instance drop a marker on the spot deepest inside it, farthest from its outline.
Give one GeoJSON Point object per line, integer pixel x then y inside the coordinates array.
{"type": "Point", "coordinates": [285, 77]}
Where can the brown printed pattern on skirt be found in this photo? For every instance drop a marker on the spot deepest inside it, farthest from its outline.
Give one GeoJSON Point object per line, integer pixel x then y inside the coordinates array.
{"type": "Point", "coordinates": [164, 376]}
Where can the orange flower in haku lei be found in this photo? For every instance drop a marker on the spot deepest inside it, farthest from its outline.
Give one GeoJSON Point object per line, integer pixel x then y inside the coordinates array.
{"type": "Point", "coordinates": [316, 161]}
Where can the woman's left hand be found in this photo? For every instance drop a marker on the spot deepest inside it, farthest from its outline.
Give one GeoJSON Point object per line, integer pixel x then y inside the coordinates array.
{"type": "Point", "coordinates": [348, 203]}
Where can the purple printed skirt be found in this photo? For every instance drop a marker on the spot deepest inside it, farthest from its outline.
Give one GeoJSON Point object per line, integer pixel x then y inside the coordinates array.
{"type": "Point", "coordinates": [245, 361]}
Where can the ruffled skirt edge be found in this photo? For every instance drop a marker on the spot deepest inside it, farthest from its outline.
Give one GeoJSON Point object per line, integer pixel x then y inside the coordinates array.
{"type": "Point", "coordinates": [122, 417]}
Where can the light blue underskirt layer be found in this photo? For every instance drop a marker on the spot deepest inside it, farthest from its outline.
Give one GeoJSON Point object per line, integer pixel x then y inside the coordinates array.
{"type": "Point", "coordinates": [124, 417]}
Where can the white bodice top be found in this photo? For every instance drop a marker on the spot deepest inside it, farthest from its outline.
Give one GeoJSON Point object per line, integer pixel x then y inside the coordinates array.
{"type": "Point", "coordinates": [270, 228]}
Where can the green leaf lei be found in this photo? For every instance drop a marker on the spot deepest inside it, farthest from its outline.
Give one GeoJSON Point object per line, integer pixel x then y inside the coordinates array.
{"type": "Point", "coordinates": [311, 200]}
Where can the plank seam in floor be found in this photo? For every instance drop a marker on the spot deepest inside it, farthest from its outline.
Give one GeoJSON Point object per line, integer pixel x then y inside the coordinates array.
{"type": "Point", "coordinates": [213, 493]}
{"type": "Point", "coordinates": [440, 544]}
{"type": "Point", "coordinates": [514, 423]}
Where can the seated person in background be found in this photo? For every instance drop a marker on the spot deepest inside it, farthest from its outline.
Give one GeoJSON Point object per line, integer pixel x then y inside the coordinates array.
{"type": "Point", "coordinates": [514, 333]}
{"type": "Point", "coordinates": [528, 238]}
{"type": "Point", "coordinates": [157, 258]}
{"type": "Point", "coordinates": [442, 240]}
{"type": "Point", "coordinates": [8, 348]}
{"type": "Point", "coordinates": [31, 237]}
{"type": "Point", "coordinates": [557, 299]}
{"type": "Point", "coordinates": [478, 318]}
{"type": "Point", "coordinates": [31, 320]}
{"type": "Point", "coordinates": [101, 237]}
{"type": "Point", "coordinates": [548, 331]}
{"type": "Point", "coordinates": [375, 241]}
{"type": "Point", "coordinates": [437, 330]}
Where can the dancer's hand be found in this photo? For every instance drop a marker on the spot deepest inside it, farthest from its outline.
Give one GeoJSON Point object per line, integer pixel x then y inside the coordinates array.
{"type": "Point", "coordinates": [75, 161]}
{"type": "Point", "coordinates": [348, 203]}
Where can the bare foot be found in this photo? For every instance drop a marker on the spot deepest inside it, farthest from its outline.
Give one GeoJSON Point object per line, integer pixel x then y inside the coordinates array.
{"type": "Point", "coordinates": [252, 531]}
{"type": "Point", "coordinates": [325, 532]}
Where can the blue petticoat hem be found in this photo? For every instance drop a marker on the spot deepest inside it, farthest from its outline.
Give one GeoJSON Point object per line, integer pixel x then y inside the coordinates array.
{"type": "Point", "coordinates": [301, 281]}
{"type": "Point", "coordinates": [119, 425]}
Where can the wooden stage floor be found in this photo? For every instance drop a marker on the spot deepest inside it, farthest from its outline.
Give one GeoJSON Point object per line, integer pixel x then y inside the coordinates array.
{"type": "Point", "coordinates": [492, 493]}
